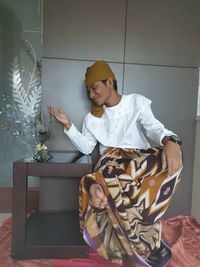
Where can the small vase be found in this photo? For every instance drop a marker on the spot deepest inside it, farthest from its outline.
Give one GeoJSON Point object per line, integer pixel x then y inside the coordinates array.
{"type": "Point", "coordinates": [42, 154]}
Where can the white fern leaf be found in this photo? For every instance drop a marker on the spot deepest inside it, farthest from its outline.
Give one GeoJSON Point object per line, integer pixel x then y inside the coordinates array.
{"type": "Point", "coordinates": [28, 101]}
{"type": "Point", "coordinates": [18, 91]}
{"type": "Point", "coordinates": [34, 100]}
{"type": "Point", "coordinates": [34, 82]}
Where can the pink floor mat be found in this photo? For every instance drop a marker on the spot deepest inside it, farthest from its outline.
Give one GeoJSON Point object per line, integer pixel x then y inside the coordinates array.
{"type": "Point", "coordinates": [182, 233]}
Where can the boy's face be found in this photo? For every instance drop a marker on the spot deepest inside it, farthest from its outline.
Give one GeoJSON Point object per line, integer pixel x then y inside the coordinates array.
{"type": "Point", "coordinates": [100, 93]}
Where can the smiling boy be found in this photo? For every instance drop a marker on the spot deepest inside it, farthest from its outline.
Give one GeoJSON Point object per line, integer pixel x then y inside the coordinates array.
{"type": "Point", "coordinates": [122, 201]}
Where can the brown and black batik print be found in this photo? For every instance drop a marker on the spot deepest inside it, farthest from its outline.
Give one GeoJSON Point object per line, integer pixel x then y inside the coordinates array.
{"type": "Point", "coordinates": [139, 192]}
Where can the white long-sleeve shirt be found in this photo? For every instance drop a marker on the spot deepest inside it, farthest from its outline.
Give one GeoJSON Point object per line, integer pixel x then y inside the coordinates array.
{"type": "Point", "coordinates": [120, 126]}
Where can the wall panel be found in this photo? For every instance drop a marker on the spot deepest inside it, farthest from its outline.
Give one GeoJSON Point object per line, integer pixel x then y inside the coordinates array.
{"type": "Point", "coordinates": [163, 32]}
{"type": "Point", "coordinates": [173, 94]}
{"type": "Point", "coordinates": [154, 49]}
{"type": "Point", "coordinates": [89, 29]}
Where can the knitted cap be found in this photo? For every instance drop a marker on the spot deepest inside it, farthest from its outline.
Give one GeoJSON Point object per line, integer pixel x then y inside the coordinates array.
{"type": "Point", "coordinates": [97, 72]}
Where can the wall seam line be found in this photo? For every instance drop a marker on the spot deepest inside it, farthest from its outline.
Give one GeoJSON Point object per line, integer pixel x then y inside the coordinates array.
{"type": "Point", "coordinates": [124, 52]}
{"type": "Point", "coordinates": [124, 62]}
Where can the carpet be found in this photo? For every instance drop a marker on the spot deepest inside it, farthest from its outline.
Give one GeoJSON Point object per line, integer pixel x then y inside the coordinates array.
{"type": "Point", "coordinates": [182, 233]}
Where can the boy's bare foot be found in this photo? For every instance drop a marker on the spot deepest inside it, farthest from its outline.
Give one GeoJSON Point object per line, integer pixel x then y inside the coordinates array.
{"type": "Point", "coordinates": [97, 196]}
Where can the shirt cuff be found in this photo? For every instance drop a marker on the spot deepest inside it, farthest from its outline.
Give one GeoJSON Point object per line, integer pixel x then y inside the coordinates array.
{"type": "Point", "coordinates": [72, 131]}
{"type": "Point", "coordinates": [168, 133]}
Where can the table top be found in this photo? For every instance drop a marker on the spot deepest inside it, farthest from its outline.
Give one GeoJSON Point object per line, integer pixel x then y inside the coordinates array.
{"type": "Point", "coordinates": [74, 157]}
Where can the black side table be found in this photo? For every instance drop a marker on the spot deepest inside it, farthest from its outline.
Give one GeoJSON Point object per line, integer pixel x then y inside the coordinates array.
{"type": "Point", "coordinates": [47, 234]}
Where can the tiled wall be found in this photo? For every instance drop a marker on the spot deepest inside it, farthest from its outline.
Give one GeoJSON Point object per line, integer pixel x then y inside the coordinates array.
{"type": "Point", "coordinates": [153, 48]}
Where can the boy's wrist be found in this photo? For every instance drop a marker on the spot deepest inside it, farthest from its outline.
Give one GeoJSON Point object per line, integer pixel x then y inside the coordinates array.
{"type": "Point", "coordinates": [68, 125]}
{"type": "Point", "coordinates": [173, 138]}
{"type": "Point", "coordinates": [165, 140]}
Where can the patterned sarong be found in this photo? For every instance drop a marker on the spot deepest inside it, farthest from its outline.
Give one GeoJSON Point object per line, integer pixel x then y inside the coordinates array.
{"type": "Point", "coordinates": [138, 192]}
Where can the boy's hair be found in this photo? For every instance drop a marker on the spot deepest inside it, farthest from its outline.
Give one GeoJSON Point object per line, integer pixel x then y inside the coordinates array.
{"type": "Point", "coordinates": [114, 84]}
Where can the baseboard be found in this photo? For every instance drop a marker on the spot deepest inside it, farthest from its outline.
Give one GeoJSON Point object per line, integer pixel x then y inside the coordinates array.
{"type": "Point", "coordinates": [6, 199]}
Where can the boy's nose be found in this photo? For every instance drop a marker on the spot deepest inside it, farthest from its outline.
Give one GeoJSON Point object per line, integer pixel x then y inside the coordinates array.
{"type": "Point", "coordinates": [91, 94]}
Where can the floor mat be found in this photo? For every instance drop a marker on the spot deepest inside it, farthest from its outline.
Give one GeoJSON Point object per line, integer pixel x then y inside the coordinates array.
{"type": "Point", "coordinates": [182, 233]}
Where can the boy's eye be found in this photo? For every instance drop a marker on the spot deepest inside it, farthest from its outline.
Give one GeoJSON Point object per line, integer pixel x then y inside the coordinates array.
{"type": "Point", "coordinates": [94, 87]}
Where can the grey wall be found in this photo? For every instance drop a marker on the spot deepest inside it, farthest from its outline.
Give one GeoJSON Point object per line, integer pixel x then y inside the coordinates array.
{"type": "Point", "coordinates": [153, 48]}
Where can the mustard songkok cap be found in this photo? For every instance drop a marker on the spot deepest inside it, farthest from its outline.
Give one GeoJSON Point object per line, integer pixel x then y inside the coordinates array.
{"type": "Point", "coordinates": [99, 71]}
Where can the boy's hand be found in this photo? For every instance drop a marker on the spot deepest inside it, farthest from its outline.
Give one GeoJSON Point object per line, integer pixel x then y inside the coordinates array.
{"type": "Point", "coordinates": [60, 115]}
{"type": "Point", "coordinates": [97, 197]}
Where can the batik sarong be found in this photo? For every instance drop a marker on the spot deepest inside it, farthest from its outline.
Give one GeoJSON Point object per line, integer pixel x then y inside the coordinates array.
{"type": "Point", "coordinates": [138, 191]}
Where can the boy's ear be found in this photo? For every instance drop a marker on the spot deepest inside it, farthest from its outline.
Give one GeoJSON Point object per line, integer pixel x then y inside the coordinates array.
{"type": "Point", "coordinates": [109, 82]}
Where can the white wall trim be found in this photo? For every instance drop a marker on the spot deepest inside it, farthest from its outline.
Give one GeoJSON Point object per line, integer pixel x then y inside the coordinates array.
{"type": "Point", "coordinates": [198, 118]}
{"type": "Point", "coordinates": [196, 174]}
{"type": "Point", "coordinates": [198, 103]}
